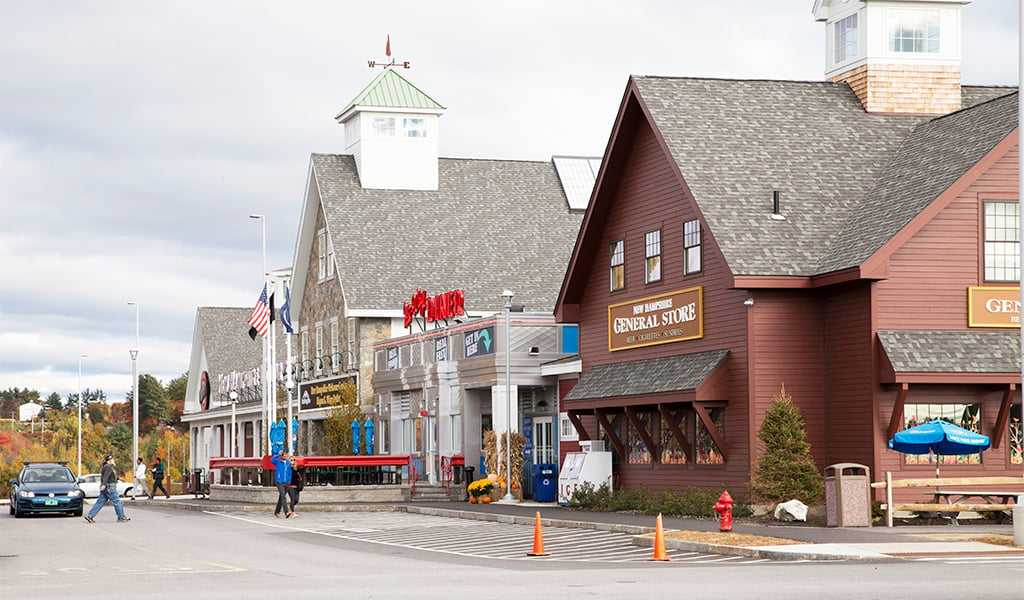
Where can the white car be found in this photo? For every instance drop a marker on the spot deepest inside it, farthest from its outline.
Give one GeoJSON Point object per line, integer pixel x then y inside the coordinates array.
{"type": "Point", "coordinates": [90, 484]}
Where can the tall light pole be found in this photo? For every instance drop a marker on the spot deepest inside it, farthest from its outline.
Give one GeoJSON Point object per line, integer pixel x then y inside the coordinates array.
{"type": "Point", "coordinates": [507, 297]}
{"type": "Point", "coordinates": [134, 352]}
{"type": "Point", "coordinates": [80, 357]}
{"type": "Point", "coordinates": [267, 398]}
{"type": "Point", "coordinates": [234, 436]}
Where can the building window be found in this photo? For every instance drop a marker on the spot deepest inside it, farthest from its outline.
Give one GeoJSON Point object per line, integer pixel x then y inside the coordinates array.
{"type": "Point", "coordinates": [304, 351]}
{"type": "Point", "coordinates": [319, 349]}
{"type": "Point", "coordinates": [330, 258]}
{"type": "Point", "coordinates": [321, 251]}
{"type": "Point", "coordinates": [691, 247]}
{"type": "Point", "coordinates": [414, 128]}
{"type": "Point", "coordinates": [671, 452]}
{"type": "Point", "coordinates": [618, 265]}
{"type": "Point", "coordinates": [1016, 436]}
{"type": "Point", "coordinates": [383, 126]}
{"type": "Point", "coordinates": [845, 38]}
{"type": "Point", "coordinates": [636, 450]}
{"type": "Point", "coordinates": [1002, 242]}
{"type": "Point", "coordinates": [652, 251]}
{"type": "Point", "coordinates": [913, 30]}
{"type": "Point", "coordinates": [704, 446]}
{"type": "Point", "coordinates": [963, 415]}
{"type": "Point", "coordinates": [566, 431]}
{"type": "Point", "coordinates": [335, 347]}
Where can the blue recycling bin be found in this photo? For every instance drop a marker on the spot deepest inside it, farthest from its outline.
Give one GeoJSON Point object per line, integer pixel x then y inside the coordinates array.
{"type": "Point", "coordinates": [545, 482]}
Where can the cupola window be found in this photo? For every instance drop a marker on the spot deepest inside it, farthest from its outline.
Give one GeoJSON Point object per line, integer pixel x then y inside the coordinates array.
{"type": "Point", "coordinates": [913, 30]}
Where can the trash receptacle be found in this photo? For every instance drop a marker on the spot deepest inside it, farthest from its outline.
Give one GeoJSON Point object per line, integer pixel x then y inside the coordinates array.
{"type": "Point", "coordinates": [545, 482]}
{"type": "Point", "coordinates": [197, 482]}
{"type": "Point", "coordinates": [848, 495]}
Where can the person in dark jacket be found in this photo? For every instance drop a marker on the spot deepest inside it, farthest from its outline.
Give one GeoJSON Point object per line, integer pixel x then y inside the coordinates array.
{"type": "Point", "coordinates": [108, 492]}
{"type": "Point", "coordinates": [283, 478]}
{"type": "Point", "coordinates": [296, 485]}
{"type": "Point", "coordinates": [158, 478]}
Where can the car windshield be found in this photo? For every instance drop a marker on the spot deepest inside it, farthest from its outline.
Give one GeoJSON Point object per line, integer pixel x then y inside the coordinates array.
{"type": "Point", "coordinates": [48, 475]}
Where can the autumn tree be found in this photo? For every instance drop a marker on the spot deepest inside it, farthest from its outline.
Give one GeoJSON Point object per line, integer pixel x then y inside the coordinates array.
{"type": "Point", "coordinates": [338, 423]}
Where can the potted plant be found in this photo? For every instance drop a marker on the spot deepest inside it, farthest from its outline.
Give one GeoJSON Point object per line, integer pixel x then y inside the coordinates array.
{"type": "Point", "coordinates": [481, 488]}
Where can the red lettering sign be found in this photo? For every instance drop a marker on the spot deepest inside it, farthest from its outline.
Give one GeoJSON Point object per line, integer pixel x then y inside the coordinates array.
{"type": "Point", "coordinates": [442, 306]}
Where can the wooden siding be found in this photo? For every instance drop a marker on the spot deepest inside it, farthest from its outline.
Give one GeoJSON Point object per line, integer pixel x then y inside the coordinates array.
{"type": "Point", "coordinates": [789, 351]}
{"type": "Point", "coordinates": [650, 196]}
{"type": "Point", "coordinates": [849, 374]}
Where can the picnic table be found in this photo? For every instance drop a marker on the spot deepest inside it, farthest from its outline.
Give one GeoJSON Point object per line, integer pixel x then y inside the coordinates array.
{"type": "Point", "coordinates": [989, 498]}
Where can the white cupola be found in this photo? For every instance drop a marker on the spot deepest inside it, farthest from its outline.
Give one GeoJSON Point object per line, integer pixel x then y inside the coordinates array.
{"type": "Point", "coordinates": [391, 129]}
{"type": "Point", "coordinates": [898, 56]}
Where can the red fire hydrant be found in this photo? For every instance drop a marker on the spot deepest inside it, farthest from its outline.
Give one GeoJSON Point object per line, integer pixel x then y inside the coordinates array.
{"type": "Point", "coordinates": [724, 509]}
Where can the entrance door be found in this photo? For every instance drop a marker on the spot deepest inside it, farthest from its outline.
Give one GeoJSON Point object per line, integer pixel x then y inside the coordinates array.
{"type": "Point", "coordinates": [543, 440]}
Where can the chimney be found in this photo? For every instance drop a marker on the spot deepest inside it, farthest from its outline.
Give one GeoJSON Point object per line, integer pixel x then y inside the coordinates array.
{"type": "Point", "coordinates": [898, 56]}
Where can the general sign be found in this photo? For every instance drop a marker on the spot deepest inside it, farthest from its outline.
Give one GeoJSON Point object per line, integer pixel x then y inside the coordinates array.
{"type": "Point", "coordinates": [993, 306]}
{"type": "Point", "coordinates": [662, 319]}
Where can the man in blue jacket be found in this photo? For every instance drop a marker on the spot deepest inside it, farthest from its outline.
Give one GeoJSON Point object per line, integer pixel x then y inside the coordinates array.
{"type": "Point", "coordinates": [283, 478]}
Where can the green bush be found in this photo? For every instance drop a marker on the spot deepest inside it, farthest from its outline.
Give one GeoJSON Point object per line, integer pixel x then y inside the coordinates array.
{"type": "Point", "coordinates": [692, 502]}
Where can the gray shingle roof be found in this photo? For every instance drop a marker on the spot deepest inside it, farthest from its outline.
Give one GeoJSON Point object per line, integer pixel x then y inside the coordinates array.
{"type": "Point", "coordinates": [491, 225]}
{"type": "Point", "coordinates": [226, 340]}
{"type": "Point", "coordinates": [734, 141]}
{"type": "Point", "coordinates": [932, 158]}
{"type": "Point", "coordinates": [970, 351]}
{"type": "Point", "coordinates": [650, 376]}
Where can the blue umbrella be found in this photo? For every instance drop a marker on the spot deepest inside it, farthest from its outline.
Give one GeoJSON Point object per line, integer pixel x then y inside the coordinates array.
{"type": "Point", "coordinates": [938, 437]}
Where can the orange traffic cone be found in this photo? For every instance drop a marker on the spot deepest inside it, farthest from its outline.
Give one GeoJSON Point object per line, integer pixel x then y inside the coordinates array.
{"type": "Point", "coordinates": [538, 539]}
{"type": "Point", "coordinates": [659, 542]}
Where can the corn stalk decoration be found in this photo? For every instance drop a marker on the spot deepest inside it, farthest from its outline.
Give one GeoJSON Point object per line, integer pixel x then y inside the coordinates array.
{"type": "Point", "coordinates": [495, 459]}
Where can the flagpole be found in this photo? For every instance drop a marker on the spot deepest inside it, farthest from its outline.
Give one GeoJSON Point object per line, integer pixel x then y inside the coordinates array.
{"type": "Point", "coordinates": [273, 359]}
{"type": "Point", "coordinates": [289, 384]}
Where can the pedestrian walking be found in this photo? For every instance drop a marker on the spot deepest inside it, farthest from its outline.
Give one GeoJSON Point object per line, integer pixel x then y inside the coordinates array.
{"type": "Point", "coordinates": [283, 479]}
{"type": "Point", "coordinates": [158, 479]}
{"type": "Point", "coordinates": [108, 492]}
{"type": "Point", "coordinates": [139, 479]}
{"type": "Point", "coordinates": [296, 485]}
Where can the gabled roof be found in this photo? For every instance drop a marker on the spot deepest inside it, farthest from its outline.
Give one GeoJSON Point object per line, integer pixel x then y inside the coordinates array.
{"type": "Point", "coordinates": [932, 158]}
{"type": "Point", "coordinates": [224, 335]}
{"type": "Point", "coordinates": [734, 142]}
{"type": "Point", "coordinates": [491, 225]}
{"type": "Point", "coordinates": [391, 90]}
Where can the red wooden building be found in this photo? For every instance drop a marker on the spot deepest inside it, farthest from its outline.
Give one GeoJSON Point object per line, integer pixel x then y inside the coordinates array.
{"type": "Point", "coordinates": [855, 240]}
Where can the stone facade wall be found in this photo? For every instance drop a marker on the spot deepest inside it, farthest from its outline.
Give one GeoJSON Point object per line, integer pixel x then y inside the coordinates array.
{"type": "Point", "coordinates": [905, 89]}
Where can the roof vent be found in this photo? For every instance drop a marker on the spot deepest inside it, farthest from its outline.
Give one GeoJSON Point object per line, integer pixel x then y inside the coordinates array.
{"type": "Point", "coordinates": [776, 216]}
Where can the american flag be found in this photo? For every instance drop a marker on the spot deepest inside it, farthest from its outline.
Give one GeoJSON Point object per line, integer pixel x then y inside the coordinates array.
{"type": "Point", "coordinates": [260, 317]}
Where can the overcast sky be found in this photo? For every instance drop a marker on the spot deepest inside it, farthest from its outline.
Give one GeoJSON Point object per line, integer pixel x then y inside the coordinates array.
{"type": "Point", "coordinates": [136, 136]}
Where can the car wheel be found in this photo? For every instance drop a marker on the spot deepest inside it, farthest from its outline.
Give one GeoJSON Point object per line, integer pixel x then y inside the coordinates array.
{"type": "Point", "coordinates": [18, 514]}
{"type": "Point", "coordinates": [78, 513]}
{"type": "Point", "coordinates": [11, 508]}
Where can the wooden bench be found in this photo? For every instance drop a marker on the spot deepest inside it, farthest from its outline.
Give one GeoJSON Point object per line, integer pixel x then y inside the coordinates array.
{"type": "Point", "coordinates": [942, 500]}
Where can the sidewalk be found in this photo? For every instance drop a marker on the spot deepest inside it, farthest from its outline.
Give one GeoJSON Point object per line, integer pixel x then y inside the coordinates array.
{"type": "Point", "coordinates": [821, 543]}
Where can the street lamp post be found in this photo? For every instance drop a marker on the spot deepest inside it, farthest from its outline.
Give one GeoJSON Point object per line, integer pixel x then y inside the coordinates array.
{"type": "Point", "coordinates": [268, 398]}
{"type": "Point", "coordinates": [507, 297]}
{"type": "Point", "coordinates": [134, 352]}
{"type": "Point", "coordinates": [80, 412]}
{"type": "Point", "coordinates": [234, 438]}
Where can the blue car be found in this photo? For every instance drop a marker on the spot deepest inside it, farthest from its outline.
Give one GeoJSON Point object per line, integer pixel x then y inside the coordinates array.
{"type": "Point", "coordinates": [46, 488]}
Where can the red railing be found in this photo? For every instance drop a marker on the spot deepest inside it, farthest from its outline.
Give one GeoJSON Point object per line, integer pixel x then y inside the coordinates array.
{"type": "Point", "coordinates": [448, 464]}
{"type": "Point", "coordinates": [225, 462]}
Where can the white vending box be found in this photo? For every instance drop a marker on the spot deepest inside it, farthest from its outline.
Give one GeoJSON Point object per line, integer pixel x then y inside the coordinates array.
{"type": "Point", "coordinates": [593, 466]}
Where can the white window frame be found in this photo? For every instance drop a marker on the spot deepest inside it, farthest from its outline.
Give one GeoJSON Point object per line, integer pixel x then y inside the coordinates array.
{"type": "Point", "coordinates": [692, 260]}
{"type": "Point", "coordinates": [319, 348]}
{"type": "Point", "coordinates": [845, 38]}
{"type": "Point", "coordinates": [1001, 241]}
{"type": "Point", "coordinates": [912, 26]}
{"type": "Point", "coordinates": [321, 250]}
{"type": "Point", "coordinates": [617, 265]}
{"type": "Point", "coordinates": [652, 256]}
{"type": "Point", "coordinates": [336, 356]}
{"type": "Point", "coordinates": [566, 431]}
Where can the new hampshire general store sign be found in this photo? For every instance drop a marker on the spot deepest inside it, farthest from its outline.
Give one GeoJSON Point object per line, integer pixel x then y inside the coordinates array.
{"type": "Point", "coordinates": [662, 319]}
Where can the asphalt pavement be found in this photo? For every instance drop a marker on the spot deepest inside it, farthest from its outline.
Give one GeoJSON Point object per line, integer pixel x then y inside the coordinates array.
{"type": "Point", "coordinates": [819, 542]}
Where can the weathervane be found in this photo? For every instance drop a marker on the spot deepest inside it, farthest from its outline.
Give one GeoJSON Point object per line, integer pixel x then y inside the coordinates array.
{"type": "Point", "coordinates": [392, 62]}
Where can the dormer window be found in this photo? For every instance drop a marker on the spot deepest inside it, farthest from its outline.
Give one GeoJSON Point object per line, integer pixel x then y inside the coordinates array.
{"type": "Point", "coordinates": [911, 30]}
{"type": "Point", "coordinates": [384, 127]}
{"type": "Point", "coordinates": [845, 40]}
